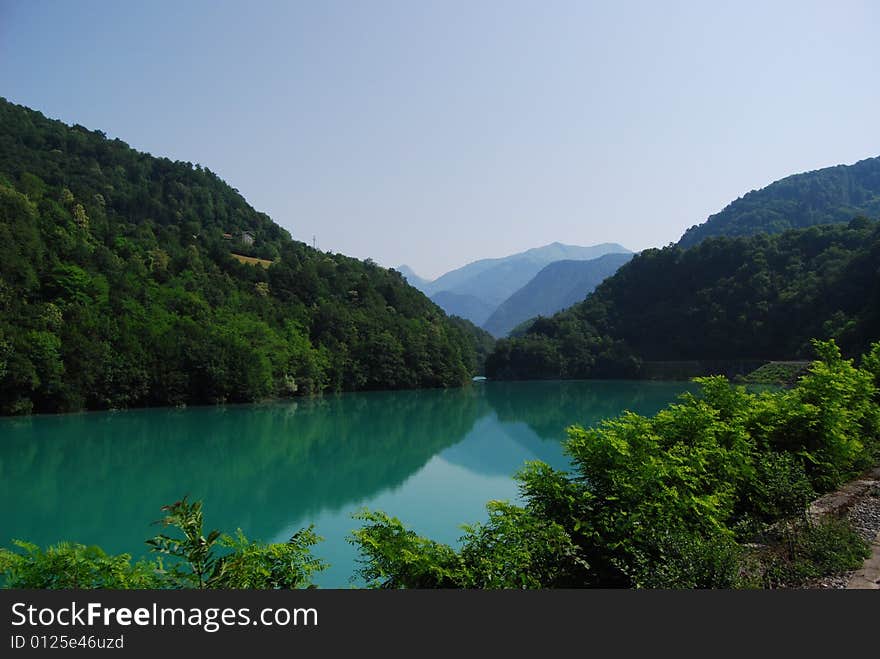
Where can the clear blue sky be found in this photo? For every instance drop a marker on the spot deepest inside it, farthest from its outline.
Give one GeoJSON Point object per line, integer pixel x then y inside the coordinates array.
{"type": "Point", "coordinates": [437, 133]}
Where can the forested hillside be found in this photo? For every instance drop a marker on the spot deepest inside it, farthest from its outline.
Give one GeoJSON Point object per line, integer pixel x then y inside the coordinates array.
{"type": "Point", "coordinates": [761, 297]}
{"type": "Point", "coordinates": [824, 196]}
{"type": "Point", "coordinates": [124, 282]}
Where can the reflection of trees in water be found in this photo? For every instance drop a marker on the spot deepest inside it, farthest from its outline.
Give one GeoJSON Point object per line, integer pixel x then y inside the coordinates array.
{"type": "Point", "coordinates": [101, 477]}
{"type": "Point", "coordinates": [549, 407]}
{"type": "Point", "coordinates": [253, 465]}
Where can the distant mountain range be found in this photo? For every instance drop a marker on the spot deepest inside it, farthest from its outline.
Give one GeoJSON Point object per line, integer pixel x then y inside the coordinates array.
{"type": "Point", "coordinates": [825, 196]}
{"type": "Point", "coordinates": [556, 287]}
{"type": "Point", "coordinates": [412, 278]}
{"type": "Point", "coordinates": [502, 294]}
{"type": "Point", "coordinates": [475, 291]}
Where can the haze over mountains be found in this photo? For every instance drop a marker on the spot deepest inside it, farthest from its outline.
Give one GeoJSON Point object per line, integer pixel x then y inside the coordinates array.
{"type": "Point", "coordinates": [501, 293]}
{"type": "Point", "coordinates": [477, 289]}
{"type": "Point", "coordinates": [556, 287]}
{"type": "Point", "coordinates": [412, 278]}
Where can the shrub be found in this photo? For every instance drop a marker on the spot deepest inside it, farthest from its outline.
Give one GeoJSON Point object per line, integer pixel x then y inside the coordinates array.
{"type": "Point", "coordinates": [674, 500]}
{"type": "Point", "coordinates": [67, 565]}
{"type": "Point", "coordinates": [194, 560]}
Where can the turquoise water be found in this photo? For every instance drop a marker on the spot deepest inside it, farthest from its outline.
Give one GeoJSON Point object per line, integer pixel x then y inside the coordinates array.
{"type": "Point", "coordinates": [432, 458]}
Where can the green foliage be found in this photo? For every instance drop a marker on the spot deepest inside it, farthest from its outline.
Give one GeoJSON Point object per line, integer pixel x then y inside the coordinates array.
{"type": "Point", "coordinates": [253, 565]}
{"type": "Point", "coordinates": [810, 550]}
{"type": "Point", "coordinates": [396, 557]}
{"type": "Point", "coordinates": [192, 559]}
{"type": "Point", "coordinates": [518, 549]}
{"type": "Point", "coordinates": [725, 299]}
{"type": "Point", "coordinates": [775, 487]}
{"type": "Point", "coordinates": [196, 561]}
{"type": "Point", "coordinates": [514, 549]}
{"type": "Point", "coordinates": [829, 420]}
{"type": "Point", "coordinates": [779, 373]}
{"type": "Point", "coordinates": [483, 343]}
{"type": "Point", "coordinates": [147, 306]}
{"type": "Point", "coordinates": [685, 560]}
{"type": "Point", "coordinates": [670, 501]}
{"type": "Point", "coordinates": [68, 565]}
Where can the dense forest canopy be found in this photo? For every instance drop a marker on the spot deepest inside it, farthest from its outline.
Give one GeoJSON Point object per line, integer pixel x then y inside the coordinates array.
{"type": "Point", "coordinates": [825, 196]}
{"type": "Point", "coordinates": [118, 287]}
{"type": "Point", "coordinates": [759, 297]}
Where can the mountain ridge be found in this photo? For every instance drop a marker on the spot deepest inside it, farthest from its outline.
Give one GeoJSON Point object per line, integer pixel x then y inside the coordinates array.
{"type": "Point", "coordinates": [829, 195]}
{"type": "Point", "coordinates": [557, 286]}
{"type": "Point", "coordinates": [411, 277]}
{"type": "Point", "coordinates": [479, 287]}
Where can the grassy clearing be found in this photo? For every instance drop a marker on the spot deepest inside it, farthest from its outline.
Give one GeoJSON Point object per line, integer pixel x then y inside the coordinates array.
{"type": "Point", "coordinates": [251, 260]}
{"type": "Point", "coordinates": [783, 373]}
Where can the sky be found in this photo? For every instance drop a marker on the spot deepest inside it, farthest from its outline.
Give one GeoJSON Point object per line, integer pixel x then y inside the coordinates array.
{"type": "Point", "coordinates": [437, 133]}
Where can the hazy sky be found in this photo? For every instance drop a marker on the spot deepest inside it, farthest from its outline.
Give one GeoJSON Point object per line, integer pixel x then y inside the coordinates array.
{"type": "Point", "coordinates": [437, 133]}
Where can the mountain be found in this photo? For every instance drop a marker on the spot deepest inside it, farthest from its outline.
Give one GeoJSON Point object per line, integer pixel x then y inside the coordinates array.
{"type": "Point", "coordinates": [462, 305]}
{"type": "Point", "coordinates": [130, 280]}
{"type": "Point", "coordinates": [491, 281]}
{"type": "Point", "coordinates": [558, 286]}
{"type": "Point", "coordinates": [759, 297]}
{"type": "Point", "coordinates": [412, 278]}
{"type": "Point", "coordinates": [824, 196]}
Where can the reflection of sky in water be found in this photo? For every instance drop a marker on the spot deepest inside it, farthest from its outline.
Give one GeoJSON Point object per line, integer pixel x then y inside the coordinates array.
{"type": "Point", "coordinates": [450, 490]}
{"type": "Point", "coordinates": [431, 458]}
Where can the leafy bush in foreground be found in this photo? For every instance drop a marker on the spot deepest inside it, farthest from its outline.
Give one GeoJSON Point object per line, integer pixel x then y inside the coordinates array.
{"type": "Point", "coordinates": [68, 565]}
{"type": "Point", "coordinates": [194, 560]}
{"type": "Point", "coordinates": [672, 500]}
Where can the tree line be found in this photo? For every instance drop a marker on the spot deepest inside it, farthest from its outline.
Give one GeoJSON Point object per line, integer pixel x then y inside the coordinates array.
{"type": "Point", "coordinates": [825, 196]}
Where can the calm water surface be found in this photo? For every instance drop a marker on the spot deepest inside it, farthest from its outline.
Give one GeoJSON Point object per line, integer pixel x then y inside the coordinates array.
{"type": "Point", "coordinates": [431, 458]}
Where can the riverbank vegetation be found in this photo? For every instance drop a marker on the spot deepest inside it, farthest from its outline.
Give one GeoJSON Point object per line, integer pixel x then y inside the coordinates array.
{"type": "Point", "coordinates": [128, 280]}
{"type": "Point", "coordinates": [711, 492]}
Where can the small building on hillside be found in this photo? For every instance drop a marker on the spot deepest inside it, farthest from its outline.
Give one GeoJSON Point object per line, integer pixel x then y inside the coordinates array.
{"type": "Point", "coordinates": [247, 238]}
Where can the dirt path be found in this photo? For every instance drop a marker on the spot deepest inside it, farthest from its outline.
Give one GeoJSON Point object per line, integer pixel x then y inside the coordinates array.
{"type": "Point", "coordinates": [859, 502]}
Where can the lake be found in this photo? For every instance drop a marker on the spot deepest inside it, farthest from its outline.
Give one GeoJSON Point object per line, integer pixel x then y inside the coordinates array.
{"type": "Point", "coordinates": [433, 458]}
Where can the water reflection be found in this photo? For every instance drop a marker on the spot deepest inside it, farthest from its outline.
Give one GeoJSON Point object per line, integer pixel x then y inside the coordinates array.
{"type": "Point", "coordinates": [529, 420]}
{"type": "Point", "coordinates": [433, 458]}
{"type": "Point", "coordinates": [102, 477]}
